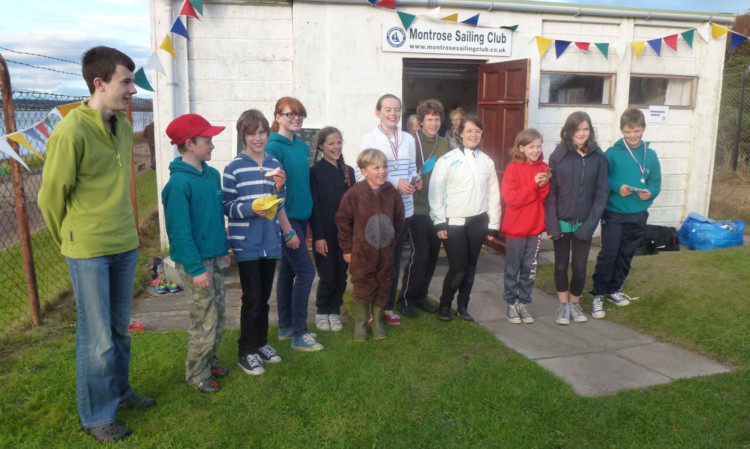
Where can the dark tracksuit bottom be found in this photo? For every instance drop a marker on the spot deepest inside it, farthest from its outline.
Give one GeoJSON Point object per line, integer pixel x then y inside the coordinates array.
{"type": "Point", "coordinates": [256, 279]}
{"type": "Point", "coordinates": [332, 278]}
{"type": "Point", "coordinates": [520, 268]}
{"type": "Point", "coordinates": [621, 235]}
{"type": "Point", "coordinates": [425, 248]}
{"type": "Point", "coordinates": [580, 250]}
{"type": "Point", "coordinates": [462, 248]}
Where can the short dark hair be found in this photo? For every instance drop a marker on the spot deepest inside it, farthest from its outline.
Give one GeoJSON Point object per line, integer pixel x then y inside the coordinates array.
{"type": "Point", "coordinates": [429, 106]}
{"type": "Point", "coordinates": [250, 121]}
{"type": "Point", "coordinates": [469, 118]}
{"type": "Point", "coordinates": [632, 117]}
{"type": "Point", "coordinates": [101, 62]}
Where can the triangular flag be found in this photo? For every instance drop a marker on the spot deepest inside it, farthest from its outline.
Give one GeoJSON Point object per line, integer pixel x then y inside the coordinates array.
{"type": "Point", "coordinates": [19, 138]}
{"type": "Point", "coordinates": [47, 121]}
{"type": "Point", "coordinates": [5, 148]}
{"type": "Point", "coordinates": [64, 109]}
{"type": "Point", "coordinates": [32, 133]}
{"type": "Point", "coordinates": [604, 48]}
{"type": "Point", "coordinates": [688, 36]}
{"type": "Point", "coordinates": [188, 10]}
{"type": "Point", "coordinates": [671, 41]}
{"type": "Point", "coordinates": [510, 27]}
{"type": "Point", "coordinates": [406, 19]}
{"type": "Point", "coordinates": [737, 39]}
{"type": "Point", "coordinates": [621, 48]}
{"type": "Point", "coordinates": [451, 18]}
{"type": "Point", "coordinates": [197, 6]}
{"type": "Point", "coordinates": [155, 63]}
{"type": "Point", "coordinates": [179, 28]}
{"type": "Point", "coordinates": [388, 4]}
{"type": "Point", "coordinates": [560, 47]}
{"type": "Point", "coordinates": [42, 129]}
{"type": "Point", "coordinates": [542, 44]}
{"type": "Point", "coordinates": [141, 80]}
{"type": "Point", "coordinates": [3, 171]}
{"type": "Point", "coordinates": [583, 45]}
{"type": "Point", "coordinates": [656, 45]}
{"type": "Point", "coordinates": [718, 31]}
{"type": "Point", "coordinates": [638, 46]}
{"type": "Point", "coordinates": [474, 20]}
{"type": "Point", "coordinates": [166, 45]}
{"type": "Point", "coordinates": [703, 31]}
{"type": "Point", "coordinates": [372, 2]}
{"type": "Point", "coordinates": [434, 14]}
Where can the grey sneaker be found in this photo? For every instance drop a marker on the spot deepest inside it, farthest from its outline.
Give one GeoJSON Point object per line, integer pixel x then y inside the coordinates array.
{"type": "Point", "coordinates": [511, 312]}
{"type": "Point", "coordinates": [335, 322]}
{"type": "Point", "coordinates": [619, 299]}
{"type": "Point", "coordinates": [597, 307]}
{"type": "Point", "coordinates": [576, 312]}
{"type": "Point", "coordinates": [306, 343]}
{"type": "Point", "coordinates": [523, 310]}
{"type": "Point", "coordinates": [268, 354]}
{"type": "Point", "coordinates": [321, 323]}
{"type": "Point", "coordinates": [562, 316]}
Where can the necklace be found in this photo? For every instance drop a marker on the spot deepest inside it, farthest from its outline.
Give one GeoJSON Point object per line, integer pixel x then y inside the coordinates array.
{"type": "Point", "coordinates": [394, 149]}
{"type": "Point", "coordinates": [640, 167]}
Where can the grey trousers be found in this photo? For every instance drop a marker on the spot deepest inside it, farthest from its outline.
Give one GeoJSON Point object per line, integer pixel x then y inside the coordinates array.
{"type": "Point", "coordinates": [520, 268]}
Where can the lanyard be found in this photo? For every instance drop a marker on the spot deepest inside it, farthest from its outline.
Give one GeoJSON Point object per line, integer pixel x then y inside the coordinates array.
{"type": "Point", "coordinates": [640, 167]}
{"type": "Point", "coordinates": [421, 152]}
{"type": "Point", "coordinates": [393, 149]}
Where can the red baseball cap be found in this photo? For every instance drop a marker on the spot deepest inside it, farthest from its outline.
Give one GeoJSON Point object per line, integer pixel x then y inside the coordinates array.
{"type": "Point", "coordinates": [187, 126]}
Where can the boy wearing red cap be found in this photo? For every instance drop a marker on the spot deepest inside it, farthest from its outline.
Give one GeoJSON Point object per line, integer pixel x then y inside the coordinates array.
{"type": "Point", "coordinates": [198, 244]}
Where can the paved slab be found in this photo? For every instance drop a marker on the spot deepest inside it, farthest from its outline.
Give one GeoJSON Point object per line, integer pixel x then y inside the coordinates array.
{"type": "Point", "coordinates": [595, 358]}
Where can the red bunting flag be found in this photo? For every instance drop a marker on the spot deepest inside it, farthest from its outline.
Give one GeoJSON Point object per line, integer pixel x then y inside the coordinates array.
{"type": "Point", "coordinates": [42, 129]}
{"type": "Point", "coordinates": [188, 10]}
{"type": "Point", "coordinates": [671, 41]}
{"type": "Point", "coordinates": [390, 4]}
{"type": "Point", "coordinates": [583, 45]}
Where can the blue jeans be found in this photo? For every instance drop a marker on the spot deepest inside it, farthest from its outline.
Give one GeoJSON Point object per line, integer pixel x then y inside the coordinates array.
{"type": "Point", "coordinates": [293, 285]}
{"type": "Point", "coordinates": [103, 288]}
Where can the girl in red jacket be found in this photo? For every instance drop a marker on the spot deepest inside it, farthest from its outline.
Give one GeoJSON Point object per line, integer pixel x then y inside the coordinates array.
{"type": "Point", "coordinates": [525, 188]}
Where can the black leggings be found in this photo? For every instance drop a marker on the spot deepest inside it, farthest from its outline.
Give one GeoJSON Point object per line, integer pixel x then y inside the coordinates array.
{"type": "Point", "coordinates": [462, 248]}
{"type": "Point", "coordinates": [580, 249]}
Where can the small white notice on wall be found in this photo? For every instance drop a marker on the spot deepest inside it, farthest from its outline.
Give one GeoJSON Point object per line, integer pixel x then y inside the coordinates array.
{"type": "Point", "coordinates": [657, 114]}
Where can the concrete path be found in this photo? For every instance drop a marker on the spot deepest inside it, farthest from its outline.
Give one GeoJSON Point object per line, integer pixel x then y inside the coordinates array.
{"type": "Point", "coordinates": [595, 358]}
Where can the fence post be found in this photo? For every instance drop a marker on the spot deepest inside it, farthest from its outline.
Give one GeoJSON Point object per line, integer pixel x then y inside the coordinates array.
{"type": "Point", "coordinates": [736, 152]}
{"type": "Point", "coordinates": [133, 191]}
{"type": "Point", "coordinates": [20, 198]}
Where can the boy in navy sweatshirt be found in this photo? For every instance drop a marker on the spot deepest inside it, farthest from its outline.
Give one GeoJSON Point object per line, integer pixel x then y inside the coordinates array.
{"type": "Point", "coordinates": [634, 183]}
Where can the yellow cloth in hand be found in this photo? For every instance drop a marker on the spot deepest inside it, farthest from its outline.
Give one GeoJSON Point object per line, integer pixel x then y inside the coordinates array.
{"type": "Point", "coordinates": [267, 203]}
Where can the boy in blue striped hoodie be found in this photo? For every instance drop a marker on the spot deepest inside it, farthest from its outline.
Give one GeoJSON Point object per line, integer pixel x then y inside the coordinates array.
{"type": "Point", "coordinates": [254, 235]}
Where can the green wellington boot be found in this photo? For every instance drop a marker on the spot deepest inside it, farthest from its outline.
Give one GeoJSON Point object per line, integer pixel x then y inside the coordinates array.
{"type": "Point", "coordinates": [361, 314]}
{"type": "Point", "coordinates": [378, 327]}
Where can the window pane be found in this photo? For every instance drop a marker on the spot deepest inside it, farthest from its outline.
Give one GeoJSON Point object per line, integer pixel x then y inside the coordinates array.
{"type": "Point", "coordinates": [574, 89]}
{"type": "Point", "coordinates": [661, 91]}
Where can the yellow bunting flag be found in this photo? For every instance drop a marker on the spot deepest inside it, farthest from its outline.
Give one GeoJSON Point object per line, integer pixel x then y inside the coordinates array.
{"type": "Point", "coordinates": [638, 47]}
{"type": "Point", "coordinates": [64, 109]}
{"type": "Point", "coordinates": [451, 18]}
{"type": "Point", "coordinates": [20, 139]}
{"type": "Point", "coordinates": [718, 31]}
{"type": "Point", "coordinates": [166, 45]}
{"type": "Point", "coordinates": [543, 44]}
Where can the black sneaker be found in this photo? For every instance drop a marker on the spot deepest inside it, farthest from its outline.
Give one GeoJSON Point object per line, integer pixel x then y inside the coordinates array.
{"type": "Point", "coordinates": [251, 364]}
{"type": "Point", "coordinates": [268, 354]}
{"type": "Point", "coordinates": [219, 371]}
{"type": "Point", "coordinates": [208, 385]}
{"type": "Point", "coordinates": [444, 313]}
{"type": "Point", "coordinates": [407, 310]}
{"type": "Point", "coordinates": [427, 306]}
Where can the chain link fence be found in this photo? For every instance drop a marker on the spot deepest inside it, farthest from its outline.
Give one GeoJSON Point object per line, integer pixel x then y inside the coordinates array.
{"type": "Point", "coordinates": [726, 140]}
{"type": "Point", "coordinates": [31, 109]}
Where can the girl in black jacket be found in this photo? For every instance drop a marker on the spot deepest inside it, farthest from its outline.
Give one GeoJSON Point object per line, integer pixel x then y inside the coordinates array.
{"type": "Point", "coordinates": [578, 194]}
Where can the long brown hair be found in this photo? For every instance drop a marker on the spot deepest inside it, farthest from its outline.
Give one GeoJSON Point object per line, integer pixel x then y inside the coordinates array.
{"type": "Point", "coordinates": [320, 139]}
{"type": "Point", "coordinates": [523, 138]}
{"type": "Point", "coordinates": [295, 106]}
{"type": "Point", "coordinates": [570, 127]}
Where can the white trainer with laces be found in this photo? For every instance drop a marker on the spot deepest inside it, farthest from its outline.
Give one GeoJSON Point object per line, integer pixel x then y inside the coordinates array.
{"type": "Point", "coordinates": [597, 307]}
{"type": "Point", "coordinates": [619, 299]}
{"type": "Point", "coordinates": [321, 323]}
{"type": "Point", "coordinates": [335, 321]}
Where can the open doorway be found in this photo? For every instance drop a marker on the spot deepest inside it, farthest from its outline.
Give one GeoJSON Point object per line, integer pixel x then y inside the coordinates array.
{"type": "Point", "coordinates": [454, 82]}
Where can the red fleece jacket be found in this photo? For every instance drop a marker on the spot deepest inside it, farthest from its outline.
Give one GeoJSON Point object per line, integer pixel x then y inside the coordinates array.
{"type": "Point", "coordinates": [524, 199]}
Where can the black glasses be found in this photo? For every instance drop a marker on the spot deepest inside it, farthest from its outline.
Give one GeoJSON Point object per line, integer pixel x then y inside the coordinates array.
{"type": "Point", "coordinates": [292, 115]}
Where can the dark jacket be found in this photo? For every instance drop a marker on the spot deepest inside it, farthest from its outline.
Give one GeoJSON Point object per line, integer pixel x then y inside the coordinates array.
{"type": "Point", "coordinates": [327, 185]}
{"type": "Point", "coordinates": [579, 190]}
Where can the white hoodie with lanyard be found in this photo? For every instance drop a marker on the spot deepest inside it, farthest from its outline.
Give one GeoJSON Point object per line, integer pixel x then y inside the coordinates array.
{"type": "Point", "coordinates": [464, 184]}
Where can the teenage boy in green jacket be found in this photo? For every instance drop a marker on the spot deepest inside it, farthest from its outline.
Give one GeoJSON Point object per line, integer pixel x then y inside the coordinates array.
{"type": "Point", "coordinates": [634, 183]}
{"type": "Point", "coordinates": [194, 217]}
{"type": "Point", "coordinates": [85, 200]}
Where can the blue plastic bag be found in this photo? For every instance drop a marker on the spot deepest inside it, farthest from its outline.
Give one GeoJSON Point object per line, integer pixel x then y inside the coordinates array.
{"type": "Point", "coordinates": [699, 232]}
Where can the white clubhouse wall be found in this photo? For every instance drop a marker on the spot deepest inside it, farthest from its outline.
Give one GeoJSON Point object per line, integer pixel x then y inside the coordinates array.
{"type": "Point", "coordinates": [246, 55]}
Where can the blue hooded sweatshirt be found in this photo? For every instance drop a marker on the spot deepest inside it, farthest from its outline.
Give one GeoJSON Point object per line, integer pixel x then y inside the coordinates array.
{"type": "Point", "coordinates": [194, 215]}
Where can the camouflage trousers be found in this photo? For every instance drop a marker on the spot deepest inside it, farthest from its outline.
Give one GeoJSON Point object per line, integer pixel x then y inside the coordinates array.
{"type": "Point", "coordinates": [208, 317]}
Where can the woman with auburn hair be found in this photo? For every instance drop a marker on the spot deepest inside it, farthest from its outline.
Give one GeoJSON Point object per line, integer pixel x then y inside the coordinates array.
{"type": "Point", "coordinates": [296, 270]}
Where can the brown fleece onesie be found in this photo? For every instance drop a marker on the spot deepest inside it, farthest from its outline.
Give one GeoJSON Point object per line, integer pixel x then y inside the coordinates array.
{"type": "Point", "coordinates": [368, 222]}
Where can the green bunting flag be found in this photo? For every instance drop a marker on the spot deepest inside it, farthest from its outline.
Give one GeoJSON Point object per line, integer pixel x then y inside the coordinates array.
{"type": "Point", "coordinates": [510, 27]}
{"type": "Point", "coordinates": [197, 5]}
{"type": "Point", "coordinates": [604, 48]}
{"type": "Point", "coordinates": [141, 80]}
{"type": "Point", "coordinates": [3, 172]}
{"type": "Point", "coordinates": [688, 36]}
{"type": "Point", "coordinates": [406, 19]}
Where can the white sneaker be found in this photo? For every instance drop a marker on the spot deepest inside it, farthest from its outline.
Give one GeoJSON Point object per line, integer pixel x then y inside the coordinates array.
{"type": "Point", "coordinates": [335, 321]}
{"type": "Point", "coordinates": [562, 316]}
{"type": "Point", "coordinates": [597, 307]}
{"type": "Point", "coordinates": [619, 299]}
{"type": "Point", "coordinates": [511, 313]}
{"type": "Point", "coordinates": [321, 323]}
{"type": "Point", "coordinates": [523, 310]}
{"type": "Point", "coordinates": [577, 313]}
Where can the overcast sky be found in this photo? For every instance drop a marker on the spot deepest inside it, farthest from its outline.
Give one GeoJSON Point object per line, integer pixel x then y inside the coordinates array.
{"type": "Point", "coordinates": [65, 29]}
